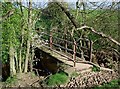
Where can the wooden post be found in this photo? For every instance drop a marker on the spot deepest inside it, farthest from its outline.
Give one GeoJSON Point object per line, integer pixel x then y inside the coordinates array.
{"type": "Point", "coordinates": [65, 46]}
{"type": "Point", "coordinates": [90, 52]}
{"type": "Point", "coordinates": [65, 40]}
{"type": "Point", "coordinates": [51, 39]}
{"type": "Point", "coordinates": [74, 53]}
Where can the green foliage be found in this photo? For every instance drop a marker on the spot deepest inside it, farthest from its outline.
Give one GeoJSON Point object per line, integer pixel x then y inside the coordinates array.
{"type": "Point", "coordinates": [14, 33]}
{"type": "Point", "coordinates": [101, 20]}
{"type": "Point", "coordinates": [95, 69]}
{"type": "Point", "coordinates": [33, 74]}
{"type": "Point", "coordinates": [114, 84]}
{"type": "Point", "coordinates": [106, 22]}
{"type": "Point", "coordinates": [74, 74]}
{"type": "Point", "coordinates": [57, 79]}
{"type": "Point", "coordinates": [9, 30]}
{"type": "Point", "coordinates": [52, 16]}
{"type": "Point", "coordinates": [11, 80]}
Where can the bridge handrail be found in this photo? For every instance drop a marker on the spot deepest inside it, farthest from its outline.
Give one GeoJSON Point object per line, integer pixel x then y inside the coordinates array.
{"type": "Point", "coordinates": [63, 47]}
{"type": "Point", "coordinates": [70, 50]}
{"type": "Point", "coordinates": [75, 44]}
{"type": "Point", "coordinates": [84, 39]}
{"type": "Point", "coordinates": [58, 38]}
{"type": "Point", "coordinates": [59, 53]}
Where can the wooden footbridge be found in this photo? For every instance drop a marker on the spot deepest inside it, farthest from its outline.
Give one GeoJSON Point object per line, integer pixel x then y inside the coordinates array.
{"type": "Point", "coordinates": [70, 52]}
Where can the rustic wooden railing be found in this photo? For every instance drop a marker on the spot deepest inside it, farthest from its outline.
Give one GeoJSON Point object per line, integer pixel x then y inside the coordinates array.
{"type": "Point", "coordinates": [51, 44]}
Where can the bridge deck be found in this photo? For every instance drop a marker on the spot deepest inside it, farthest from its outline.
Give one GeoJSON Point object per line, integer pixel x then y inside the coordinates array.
{"type": "Point", "coordinates": [64, 58]}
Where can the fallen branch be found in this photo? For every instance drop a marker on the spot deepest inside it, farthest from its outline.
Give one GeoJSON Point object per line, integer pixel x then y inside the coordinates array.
{"type": "Point", "coordinates": [72, 19]}
{"type": "Point", "coordinates": [99, 33]}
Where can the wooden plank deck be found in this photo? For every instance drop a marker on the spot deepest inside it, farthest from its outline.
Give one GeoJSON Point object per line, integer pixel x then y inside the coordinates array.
{"type": "Point", "coordinates": [65, 59]}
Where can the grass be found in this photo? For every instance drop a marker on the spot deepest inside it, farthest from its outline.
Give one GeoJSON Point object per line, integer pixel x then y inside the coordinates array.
{"type": "Point", "coordinates": [33, 74]}
{"type": "Point", "coordinates": [74, 74]}
{"type": "Point", "coordinates": [11, 80]}
{"type": "Point", "coordinates": [114, 84]}
{"type": "Point", "coordinates": [57, 79]}
{"type": "Point", "coordinates": [95, 69]}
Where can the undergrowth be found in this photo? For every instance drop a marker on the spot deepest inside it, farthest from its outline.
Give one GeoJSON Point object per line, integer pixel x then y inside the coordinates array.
{"type": "Point", "coordinates": [11, 80]}
{"type": "Point", "coordinates": [74, 74]}
{"type": "Point", "coordinates": [114, 84]}
{"type": "Point", "coordinates": [95, 69]}
{"type": "Point", "coordinates": [57, 79]}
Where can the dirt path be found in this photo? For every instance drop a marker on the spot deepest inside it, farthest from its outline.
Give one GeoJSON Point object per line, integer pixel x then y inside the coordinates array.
{"type": "Point", "coordinates": [84, 79]}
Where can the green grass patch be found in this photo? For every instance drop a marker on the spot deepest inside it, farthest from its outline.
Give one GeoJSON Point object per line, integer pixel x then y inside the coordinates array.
{"type": "Point", "coordinates": [114, 84]}
{"type": "Point", "coordinates": [33, 74]}
{"type": "Point", "coordinates": [74, 74]}
{"type": "Point", "coordinates": [95, 69]}
{"type": "Point", "coordinates": [57, 79]}
{"type": "Point", "coordinates": [11, 80]}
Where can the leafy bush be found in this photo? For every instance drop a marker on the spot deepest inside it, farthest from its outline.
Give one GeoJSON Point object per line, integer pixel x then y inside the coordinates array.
{"type": "Point", "coordinates": [114, 84]}
{"type": "Point", "coordinates": [95, 69]}
{"type": "Point", "coordinates": [57, 79]}
{"type": "Point", "coordinates": [11, 80]}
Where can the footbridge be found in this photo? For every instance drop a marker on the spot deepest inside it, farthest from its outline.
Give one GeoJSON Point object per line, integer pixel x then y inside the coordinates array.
{"type": "Point", "coordinates": [74, 52]}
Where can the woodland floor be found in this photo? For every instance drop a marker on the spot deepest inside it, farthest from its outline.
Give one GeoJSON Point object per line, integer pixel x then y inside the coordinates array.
{"type": "Point", "coordinates": [84, 79]}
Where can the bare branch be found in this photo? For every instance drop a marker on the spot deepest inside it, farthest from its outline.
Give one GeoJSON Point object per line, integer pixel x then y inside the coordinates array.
{"type": "Point", "coordinates": [99, 33]}
{"type": "Point", "coordinates": [70, 16]}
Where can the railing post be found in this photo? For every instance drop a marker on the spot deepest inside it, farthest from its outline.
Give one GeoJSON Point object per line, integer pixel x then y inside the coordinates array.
{"type": "Point", "coordinates": [51, 39]}
{"type": "Point", "coordinates": [65, 40]}
{"type": "Point", "coordinates": [74, 53]}
{"type": "Point", "coordinates": [90, 52]}
{"type": "Point", "coordinates": [66, 46]}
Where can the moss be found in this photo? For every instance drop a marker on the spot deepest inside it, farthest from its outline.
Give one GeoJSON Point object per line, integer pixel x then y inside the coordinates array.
{"type": "Point", "coordinates": [57, 79]}
{"type": "Point", "coordinates": [95, 69]}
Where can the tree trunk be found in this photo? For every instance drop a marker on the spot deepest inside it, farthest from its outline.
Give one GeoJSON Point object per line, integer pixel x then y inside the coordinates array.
{"type": "Point", "coordinates": [22, 32]}
{"type": "Point", "coordinates": [70, 16]}
{"type": "Point", "coordinates": [16, 60]}
{"type": "Point", "coordinates": [12, 62]}
{"type": "Point", "coordinates": [31, 61]}
{"type": "Point", "coordinates": [28, 33]}
{"type": "Point", "coordinates": [83, 13]}
{"type": "Point", "coordinates": [20, 58]}
{"type": "Point", "coordinates": [27, 55]}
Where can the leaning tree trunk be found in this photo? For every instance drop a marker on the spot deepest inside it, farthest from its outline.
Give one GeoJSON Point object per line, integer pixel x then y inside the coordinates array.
{"type": "Point", "coordinates": [28, 33]}
{"type": "Point", "coordinates": [12, 62]}
{"type": "Point", "coordinates": [75, 23]}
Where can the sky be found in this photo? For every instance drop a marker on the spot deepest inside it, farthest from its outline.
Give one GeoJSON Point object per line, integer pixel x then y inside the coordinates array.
{"type": "Point", "coordinates": [74, 0]}
{"type": "Point", "coordinates": [64, 0]}
{"type": "Point", "coordinates": [43, 3]}
{"type": "Point", "coordinates": [71, 3]}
